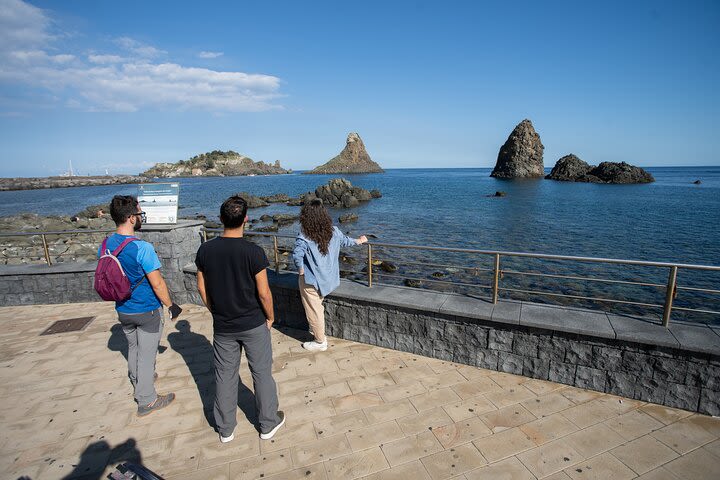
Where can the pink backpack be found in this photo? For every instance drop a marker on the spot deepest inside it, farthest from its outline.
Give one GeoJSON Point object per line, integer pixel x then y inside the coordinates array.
{"type": "Point", "coordinates": [111, 283]}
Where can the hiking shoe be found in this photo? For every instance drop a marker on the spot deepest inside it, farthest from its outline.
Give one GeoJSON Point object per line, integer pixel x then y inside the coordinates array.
{"type": "Point", "coordinates": [315, 346]}
{"type": "Point", "coordinates": [161, 401]}
{"type": "Point", "coordinates": [271, 433]}
{"type": "Point", "coordinates": [227, 439]}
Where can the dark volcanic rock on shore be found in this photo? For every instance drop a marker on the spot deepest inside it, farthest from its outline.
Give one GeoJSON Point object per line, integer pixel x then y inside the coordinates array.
{"type": "Point", "coordinates": [521, 156]}
{"type": "Point", "coordinates": [94, 211]}
{"type": "Point", "coordinates": [353, 159]}
{"type": "Point", "coordinates": [252, 200]}
{"type": "Point", "coordinates": [348, 217]}
{"type": "Point", "coordinates": [215, 164]}
{"type": "Point", "coordinates": [570, 168]}
{"type": "Point", "coordinates": [276, 198]}
{"type": "Point", "coordinates": [71, 247]}
{"type": "Point", "coordinates": [37, 183]}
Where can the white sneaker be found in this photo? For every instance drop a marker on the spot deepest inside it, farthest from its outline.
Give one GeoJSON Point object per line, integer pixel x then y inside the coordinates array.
{"type": "Point", "coordinates": [315, 346]}
{"type": "Point", "coordinates": [271, 433]}
{"type": "Point", "coordinates": [227, 439]}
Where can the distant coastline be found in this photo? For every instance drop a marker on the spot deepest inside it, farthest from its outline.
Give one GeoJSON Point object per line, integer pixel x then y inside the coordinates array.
{"type": "Point", "coordinates": [38, 183]}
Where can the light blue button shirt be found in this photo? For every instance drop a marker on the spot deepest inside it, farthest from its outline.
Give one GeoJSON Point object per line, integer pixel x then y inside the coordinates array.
{"type": "Point", "coordinates": [321, 271]}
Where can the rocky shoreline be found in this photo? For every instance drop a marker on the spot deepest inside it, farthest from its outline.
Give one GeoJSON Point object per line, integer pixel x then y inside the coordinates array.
{"type": "Point", "coordinates": [37, 183]}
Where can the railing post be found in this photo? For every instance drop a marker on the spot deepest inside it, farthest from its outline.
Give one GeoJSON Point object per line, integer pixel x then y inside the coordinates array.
{"type": "Point", "coordinates": [496, 278]}
{"type": "Point", "coordinates": [204, 235]}
{"type": "Point", "coordinates": [369, 265]}
{"type": "Point", "coordinates": [46, 250]}
{"type": "Point", "coordinates": [277, 254]}
{"type": "Point", "coordinates": [669, 295]}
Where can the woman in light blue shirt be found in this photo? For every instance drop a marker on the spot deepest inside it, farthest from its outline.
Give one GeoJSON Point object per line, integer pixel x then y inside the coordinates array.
{"type": "Point", "coordinates": [316, 253]}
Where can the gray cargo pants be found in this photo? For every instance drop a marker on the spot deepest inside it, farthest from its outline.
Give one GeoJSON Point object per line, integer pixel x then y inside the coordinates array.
{"type": "Point", "coordinates": [258, 350]}
{"type": "Point", "coordinates": [143, 331]}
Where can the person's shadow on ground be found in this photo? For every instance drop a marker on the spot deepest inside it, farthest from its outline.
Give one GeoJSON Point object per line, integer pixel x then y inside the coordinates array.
{"type": "Point", "coordinates": [117, 341]}
{"type": "Point", "coordinates": [99, 454]}
{"type": "Point", "coordinates": [197, 351]}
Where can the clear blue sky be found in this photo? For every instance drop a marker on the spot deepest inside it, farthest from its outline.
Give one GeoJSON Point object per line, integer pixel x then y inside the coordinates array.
{"type": "Point", "coordinates": [122, 85]}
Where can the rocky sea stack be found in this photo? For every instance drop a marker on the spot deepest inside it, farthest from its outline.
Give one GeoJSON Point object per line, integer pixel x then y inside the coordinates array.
{"type": "Point", "coordinates": [353, 159]}
{"type": "Point", "coordinates": [570, 168]}
{"type": "Point", "coordinates": [215, 164]}
{"type": "Point", "coordinates": [338, 193]}
{"type": "Point", "coordinates": [521, 156]}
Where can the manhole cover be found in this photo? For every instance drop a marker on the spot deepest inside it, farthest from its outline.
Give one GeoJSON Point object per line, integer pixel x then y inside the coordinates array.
{"type": "Point", "coordinates": [68, 325]}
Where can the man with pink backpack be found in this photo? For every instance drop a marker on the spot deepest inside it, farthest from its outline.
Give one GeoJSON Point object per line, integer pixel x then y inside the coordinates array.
{"type": "Point", "coordinates": [128, 272]}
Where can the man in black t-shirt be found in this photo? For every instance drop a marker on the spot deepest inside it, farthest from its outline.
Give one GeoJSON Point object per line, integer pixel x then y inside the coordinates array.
{"type": "Point", "coordinates": [234, 286]}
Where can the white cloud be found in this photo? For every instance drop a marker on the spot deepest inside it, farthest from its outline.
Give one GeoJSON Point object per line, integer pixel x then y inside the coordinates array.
{"type": "Point", "coordinates": [22, 25]}
{"type": "Point", "coordinates": [106, 58]}
{"type": "Point", "coordinates": [138, 48]}
{"type": "Point", "coordinates": [62, 58]}
{"type": "Point", "coordinates": [119, 81]}
{"type": "Point", "coordinates": [210, 54]}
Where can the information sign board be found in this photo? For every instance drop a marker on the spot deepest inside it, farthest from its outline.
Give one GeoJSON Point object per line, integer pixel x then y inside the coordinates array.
{"type": "Point", "coordinates": [159, 201]}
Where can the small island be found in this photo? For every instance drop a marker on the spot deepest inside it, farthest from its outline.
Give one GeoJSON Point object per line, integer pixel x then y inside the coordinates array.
{"type": "Point", "coordinates": [353, 159]}
{"type": "Point", "coordinates": [215, 164]}
{"type": "Point", "coordinates": [570, 168]}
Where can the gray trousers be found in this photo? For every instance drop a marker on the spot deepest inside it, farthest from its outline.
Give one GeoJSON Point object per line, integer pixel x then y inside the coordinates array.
{"type": "Point", "coordinates": [258, 350]}
{"type": "Point", "coordinates": [143, 331]}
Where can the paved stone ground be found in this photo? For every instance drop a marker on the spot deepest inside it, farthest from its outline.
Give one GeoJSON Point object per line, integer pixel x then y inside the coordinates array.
{"type": "Point", "coordinates": [355, 411]}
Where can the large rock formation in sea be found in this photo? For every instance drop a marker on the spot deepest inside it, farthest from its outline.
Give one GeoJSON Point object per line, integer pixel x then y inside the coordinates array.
{"type": "Point", "coordinates": [215, 164]}
{"type": "Point", "coordinates": [570, 168]}
{"type": "Point", "coordinates": [338, 193]}
{"type": "Point", "coordinates": [521, 156]}
{"type": "Point", "coordinates": [353, 159]}
{"type": "Point", "coordinates": [612, 172]}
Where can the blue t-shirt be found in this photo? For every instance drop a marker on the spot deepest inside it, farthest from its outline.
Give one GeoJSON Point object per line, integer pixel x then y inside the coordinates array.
{"type": "Point", "coordinates": [138, 258]}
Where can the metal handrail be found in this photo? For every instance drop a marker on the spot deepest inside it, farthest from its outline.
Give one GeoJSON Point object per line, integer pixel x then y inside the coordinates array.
{"type": "Point", "coordinates": [671, 288]}
{"type": "Point", "coordinates": [60, 232]}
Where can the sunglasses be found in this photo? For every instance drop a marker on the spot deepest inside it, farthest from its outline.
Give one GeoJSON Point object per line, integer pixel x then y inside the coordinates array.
{"type": "Point", "coordinates": [143, 216]}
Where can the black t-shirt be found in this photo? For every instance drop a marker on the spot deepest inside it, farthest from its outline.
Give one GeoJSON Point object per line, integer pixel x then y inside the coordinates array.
{"type": "Point", "coordinates": [229, 266]}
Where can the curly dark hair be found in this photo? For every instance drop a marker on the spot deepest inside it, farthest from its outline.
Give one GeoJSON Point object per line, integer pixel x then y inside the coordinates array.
{"type": "Point", "coordinates": [316, 224]}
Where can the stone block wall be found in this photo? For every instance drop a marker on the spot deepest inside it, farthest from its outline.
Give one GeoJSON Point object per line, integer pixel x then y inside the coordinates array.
{"type": "Point", "coordinates": [662, 375]}
{"type": "Point", "coordinates": [44, 287]}
{"type": "Point", "coordinates": [176, 246]}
